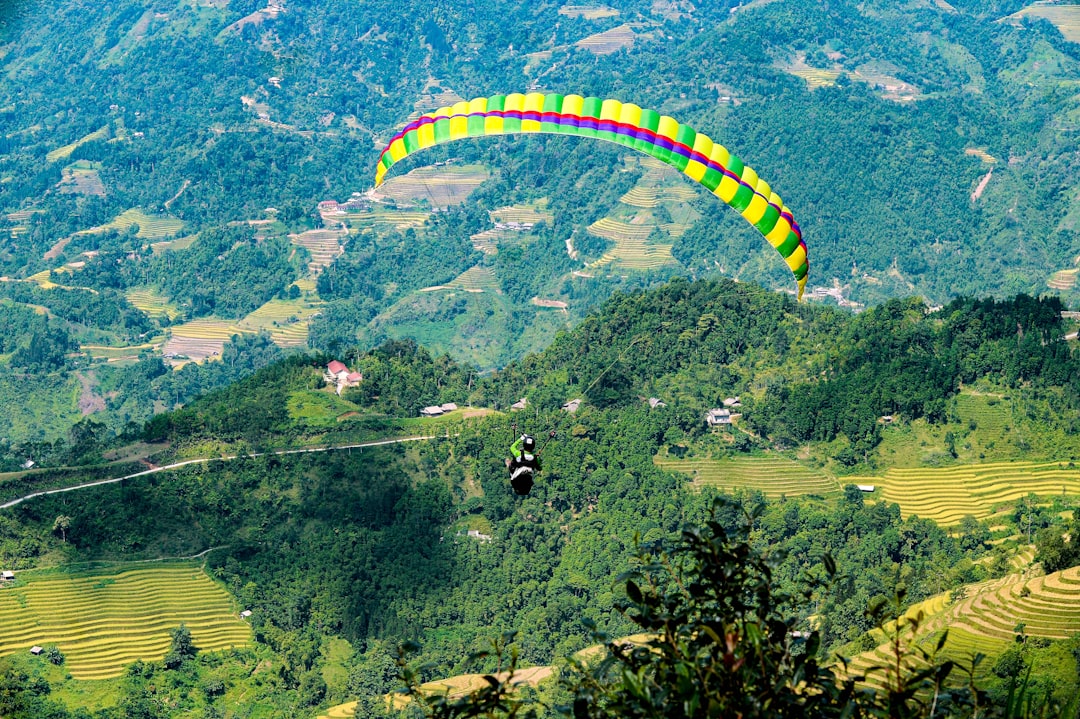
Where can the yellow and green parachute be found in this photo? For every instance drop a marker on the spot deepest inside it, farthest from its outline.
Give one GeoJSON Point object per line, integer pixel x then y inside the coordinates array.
{"type": "Point", "coordinates": [693, 153]}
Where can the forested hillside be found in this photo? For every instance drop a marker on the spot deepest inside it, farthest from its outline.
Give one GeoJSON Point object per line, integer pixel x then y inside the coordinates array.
{"type": "Point", "coordinates": [343, 555]}
{"type": "Point", "coordinates": [172, 158]}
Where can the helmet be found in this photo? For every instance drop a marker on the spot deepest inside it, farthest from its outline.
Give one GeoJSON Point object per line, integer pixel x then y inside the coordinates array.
{"type": "Point", "coordinates": [528, 443]}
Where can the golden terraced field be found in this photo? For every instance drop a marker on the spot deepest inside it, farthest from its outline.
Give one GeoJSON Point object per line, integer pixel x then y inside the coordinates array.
{"type": "Point", "coordinates": [105, 620]}
{"type": "Point", "coordinates": [946, 494]}
{"type": "Point", "coordinates": [632, 250]}
{"type": "Point", "coordinates": [772, 475]}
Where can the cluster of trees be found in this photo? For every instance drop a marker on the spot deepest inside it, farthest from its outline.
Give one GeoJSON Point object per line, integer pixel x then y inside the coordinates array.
{"type": "Point", "coordinates": [35, 343]}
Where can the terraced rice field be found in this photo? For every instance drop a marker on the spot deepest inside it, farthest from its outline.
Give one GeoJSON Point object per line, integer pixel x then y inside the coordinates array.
{"type": "Point", "coordinates": [989, 412]}
{"type": "Point", "coordinates": [946, 494]}
{"type": "Point", "coordinates": [285, 320]}
{"type": "Point", "coordinates": [62, 152]}
{"type": "Point", "coordinates": [44, 279]}
{"type": "Point", "coordinates": [1066, 18]}
{"type": "Point", "coordinates": [105, 620]}
{"type": "Point", "coordinates": [649, 197]}
{"type": "Point", "coordinates": [149, 301]}
{"type": "Point", "coordinates": [201, 339]}
{"type": "Point", "coordinates": [890, 86]}
{"type": "Point", "coordinates": [386, 218]}
{"type": "Point", "coordinates": [323, 245]}
{"type": "Point", "coordinates": [773, 476]}
{"type": "Point", "coordinates": [609, 41]}
{"type": "Point", "coordinates": [475, 279]}
{"type": "Point", "coordinates": [589, 12]}
{"type": "Point", "coordinates": [986, 619]}
{"type": "Point", "coordinates": [522, 213]}
{"type": "Point", "coordinates": [815, 77]}
{"type": "Point", "coordinates": [151, 227]}
{"type": "Point", "coordinates": [440, 186]}
{"type": "Point", "coordinates": [631, 251]}
{"type": "Point", "coordinates": [1063, 280]}
{"type": "Point", "coordinates": [982, 154]}
{"type": "Point", "coordinates": [180, 243]}
{"type": "Point", "coordinates": [82, 178]}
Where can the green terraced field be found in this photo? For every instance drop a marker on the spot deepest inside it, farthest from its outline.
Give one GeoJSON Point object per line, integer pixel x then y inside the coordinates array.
{"type": "Point", "coordinates": [285, 320]}
{"type": "Point", "coordinates": [773, 476]}
{"type": "Point", "coordinates": [62, 152]}
{"type": "Point", "coordinates": [946, 494]}
{"type": "Point", "coordinates": [393, 219]}
{"type": "Point", "coordinates": [523, 213]}
{"type": "Point", "coordinates": [149, 301]}
{"type": "Point", "coordinates": [106, 619]}
{"type": "Point", "coordinates": [151, 227]}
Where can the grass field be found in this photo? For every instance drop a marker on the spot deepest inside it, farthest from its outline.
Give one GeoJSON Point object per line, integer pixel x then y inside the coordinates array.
{"type": "Point", "coordinates": [632, 251]}
{"type": "Point", "coordinates": [318, 407]}
{"type": "Point", "coordinates": [105, 619]}
{"type": "Point", "coordinates": [772, 475]}
{"type": "Point", "coordinates": [609, 41]}
{"type": "Point", "coordinates": [149, 301]}
{"type": "Point", "coordinates": [1066, 18]}
{"type": "Point", "coordinates": [946, 494]}
{"type": "Point", "coordinates": [440, 186]}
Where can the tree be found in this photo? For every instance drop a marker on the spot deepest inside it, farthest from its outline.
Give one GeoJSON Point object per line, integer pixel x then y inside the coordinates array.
{"type": "Point", "coordinates": [181, 649]}
{"type": "Point", "coordinates": [62, 524]}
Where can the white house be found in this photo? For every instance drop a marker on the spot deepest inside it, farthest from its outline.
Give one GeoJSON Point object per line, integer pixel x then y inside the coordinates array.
{"type": "Point", "coordinates": [433, 411]}
{"type": "Point", "coordinates": [865, 487]}
{"type": "Point", "coordinates": [35, 650]}
{"type": "Point", "coordinates": [28, 464]}
{"type": "Point", "coordinates": [520, 404]}
{"type": "Point", "coordinates": [7, 576]}
{"type": "Point", "coordinates": [245, 614]}
{"type": "Point", "coordinates": [655, 402]}
{"type": "Point", "coordinates": [718, 417]}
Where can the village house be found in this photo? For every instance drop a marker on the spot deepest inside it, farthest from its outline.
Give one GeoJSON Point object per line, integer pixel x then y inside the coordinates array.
{"type": "Point", "coordinates": [865, 487]}
{"type": "Point", "coordinates": [7, 576]}
{"type": "Point", "coordinates": [36, 650]}
{"type": "Point", "coordinates": [338, 374]}
{"type": "Point", "coordinates": [519, 405]}
{"type": "Point", "coordinates": [572, 406]}
{"type": "Point", "coordinates": [732, 402]}
{"type": "Point", "coordinates": [433, 411]}
{"type": "Point", "coordinates": [655, 402]}
{"type": "Point", "coordinates": [28, 464]}
{"type": "Point", "coordinates": [245, 614]}
{"type": "Point", "coordinates": [448, 407]}
{"type": "Point", "coordinates": [717, 417]}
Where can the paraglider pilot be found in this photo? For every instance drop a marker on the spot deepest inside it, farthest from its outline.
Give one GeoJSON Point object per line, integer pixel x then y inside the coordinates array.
{"type": "Point", "coordinates": [523, 463]}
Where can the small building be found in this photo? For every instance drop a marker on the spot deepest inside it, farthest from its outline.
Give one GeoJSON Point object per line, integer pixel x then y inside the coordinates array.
{"type": "Point", "coordinates": [572, 406]}
{"type": "Point", "coordinates": [448, 407]}
{"type": "Point", "coordinates": [886, 419]}
{"type": "Point", "coordinates": [338, 375]}
{"type": "Point", "coordinates": [7, 576]}
{"type": "Point", "coordinates": [717, 417]}
{"type": "Point", "coordinates": [732, 402]}
{"type": "Point", "coordinates": [328, 206]}
{"type": "Point", "coordinates": [245, 614]}
{"type": "Point", "coordinates": [655, 402]}
{"type": "Point", "coordinates": [336, 368]}
{"type": "Point", "coordinates": [28, 464]}
{"type": "Point", "coordinates": [865, 487]}
{"type": "Point", "coordinates": [354, 378]}
{"type": "Point", "coordinates": [433, 411]}
{"type": "Point", "coordinates": [478, 535]}
{"type": "Point", "coordinates": [519, 405]}
{"type": "Point", "coordinates": [36, 650]}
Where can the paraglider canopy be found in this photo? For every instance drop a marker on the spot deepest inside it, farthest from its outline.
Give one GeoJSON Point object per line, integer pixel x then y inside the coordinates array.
{"type": "Point", "coordinates": [695, 154]}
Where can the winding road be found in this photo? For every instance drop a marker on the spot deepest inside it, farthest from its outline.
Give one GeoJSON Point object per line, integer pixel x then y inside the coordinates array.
{"type": "Point", "coordinates": [204, 460]}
